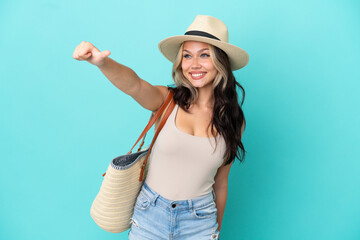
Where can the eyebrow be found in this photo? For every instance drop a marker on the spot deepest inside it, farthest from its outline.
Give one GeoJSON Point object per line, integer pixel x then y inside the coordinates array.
{"type": "Point", "coordinates": [198, 51]}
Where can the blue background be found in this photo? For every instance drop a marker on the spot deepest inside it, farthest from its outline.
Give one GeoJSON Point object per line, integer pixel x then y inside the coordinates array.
{"type": "Point", "coordinates": [62, 121]}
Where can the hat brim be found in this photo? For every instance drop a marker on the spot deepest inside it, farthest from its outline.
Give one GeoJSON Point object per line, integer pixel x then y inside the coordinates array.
{"type": "Point", "coordinates": [238, 57]}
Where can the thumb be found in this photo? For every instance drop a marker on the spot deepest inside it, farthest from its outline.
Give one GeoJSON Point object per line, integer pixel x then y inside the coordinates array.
{"type": "Point", "coordinates": [105, 53]}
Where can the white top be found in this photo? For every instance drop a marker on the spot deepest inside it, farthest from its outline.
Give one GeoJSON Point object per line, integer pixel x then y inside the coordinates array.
{"type": "Point", "coordinates": [183, 166]}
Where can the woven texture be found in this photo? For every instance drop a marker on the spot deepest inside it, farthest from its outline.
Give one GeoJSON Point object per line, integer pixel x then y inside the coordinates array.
{"type": "Point", "coordinates": [113, 206]}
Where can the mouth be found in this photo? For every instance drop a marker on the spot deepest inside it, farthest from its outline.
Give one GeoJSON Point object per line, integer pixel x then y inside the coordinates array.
{"type": "Point", "coordinates": [197, 76]}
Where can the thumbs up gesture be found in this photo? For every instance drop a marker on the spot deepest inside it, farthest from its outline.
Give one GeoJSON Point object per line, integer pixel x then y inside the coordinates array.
{"type": "Point", "coordinates": [85, 51]}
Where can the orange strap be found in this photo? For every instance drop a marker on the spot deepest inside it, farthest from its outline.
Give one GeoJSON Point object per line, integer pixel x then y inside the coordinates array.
{"type": "Point", "coordinates": [149, 125]}
{"type": "Point", "coordinates": [154, 118]}
{"type": "Point", "coordinates": [167, 114]}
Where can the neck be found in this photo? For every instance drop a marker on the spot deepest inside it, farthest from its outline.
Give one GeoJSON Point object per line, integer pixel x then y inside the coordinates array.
{"type": "Point", "coordinates": [206, 98]}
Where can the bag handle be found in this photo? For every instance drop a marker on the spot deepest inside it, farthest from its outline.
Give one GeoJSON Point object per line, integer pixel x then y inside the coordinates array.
{"type": "Point", "coordinates": [153, 119]}
{"type": "Point", "coordinates": [167, 114]}
{"type": "Point", "coordinates": [151, 122]}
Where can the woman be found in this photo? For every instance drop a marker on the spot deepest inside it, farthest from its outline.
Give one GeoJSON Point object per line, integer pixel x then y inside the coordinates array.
{"type": "Point", "coordinates": [185, 190]}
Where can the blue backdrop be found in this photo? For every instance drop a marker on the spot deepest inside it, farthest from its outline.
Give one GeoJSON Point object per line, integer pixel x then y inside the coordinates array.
{"type": "Point", "coordinates": [62, 121]}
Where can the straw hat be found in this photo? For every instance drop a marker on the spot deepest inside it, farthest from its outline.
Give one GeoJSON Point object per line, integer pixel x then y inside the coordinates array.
{"type": "Point", "coordinates": [210, 30]}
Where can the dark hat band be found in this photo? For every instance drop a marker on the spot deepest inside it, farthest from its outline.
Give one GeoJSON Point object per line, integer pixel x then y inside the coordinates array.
{"type": "Point", "coordinates": [202, 34]}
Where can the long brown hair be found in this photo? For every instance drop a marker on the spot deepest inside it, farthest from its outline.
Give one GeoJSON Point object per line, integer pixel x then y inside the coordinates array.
{"type": "Point", "coordinates": [228, 116]}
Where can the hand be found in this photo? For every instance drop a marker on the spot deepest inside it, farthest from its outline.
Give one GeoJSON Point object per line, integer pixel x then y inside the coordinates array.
{"type": "Point", "coordinates": [88, 52]}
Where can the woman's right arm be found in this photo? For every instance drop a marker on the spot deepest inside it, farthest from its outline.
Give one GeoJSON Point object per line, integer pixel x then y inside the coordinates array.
{"type": "Point", "coordinates": [124, 78]}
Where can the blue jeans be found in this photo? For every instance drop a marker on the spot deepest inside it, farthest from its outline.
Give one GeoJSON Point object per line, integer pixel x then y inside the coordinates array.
{"type": "Point", "coordinates": [158, 218]}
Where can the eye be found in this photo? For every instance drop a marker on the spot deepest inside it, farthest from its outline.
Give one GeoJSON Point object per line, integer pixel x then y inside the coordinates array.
{"type": "Point", "coordinates": [207, 55]}
{"type": "Point", "coordinates": [185, 56]}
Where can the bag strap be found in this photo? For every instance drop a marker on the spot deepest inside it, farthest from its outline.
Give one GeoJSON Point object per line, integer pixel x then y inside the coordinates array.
{"type": "Point", "coordinates": [152, 120]}
{"type": "Point", "coordinates": [163, 120]}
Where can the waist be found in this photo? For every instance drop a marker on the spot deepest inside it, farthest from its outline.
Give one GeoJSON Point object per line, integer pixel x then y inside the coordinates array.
{"type": "Point", "coordinates": [157, 199]}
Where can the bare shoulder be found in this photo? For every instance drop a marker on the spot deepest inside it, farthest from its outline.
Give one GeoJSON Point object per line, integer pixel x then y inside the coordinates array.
{"type": "Point", "coordinates": [164, 91]}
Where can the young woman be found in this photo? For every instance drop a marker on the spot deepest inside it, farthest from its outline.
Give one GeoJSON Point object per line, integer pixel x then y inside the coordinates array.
{"type": "Point", "coordinates": [185, 190]}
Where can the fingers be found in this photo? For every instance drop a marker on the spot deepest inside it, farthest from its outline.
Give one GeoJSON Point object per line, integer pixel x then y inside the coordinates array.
{"type": "Point", "coordinates": [75, 53]}
{"type": "Point", "coordinates": [87, 51]}
{"type": "Point", "coordinates": [83, 51]}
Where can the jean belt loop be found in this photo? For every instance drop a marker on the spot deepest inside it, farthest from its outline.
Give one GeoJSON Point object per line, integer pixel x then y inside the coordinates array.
{"type": "Point", "coordinates": [154, 198]}
{"type": "Point", "coordinates": [190, 205]}
{"type": "Point", "coordinates": [214, 196]}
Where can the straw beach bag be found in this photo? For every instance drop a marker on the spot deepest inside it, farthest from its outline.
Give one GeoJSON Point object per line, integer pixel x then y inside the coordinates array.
{"type": "Point", "coordinates": [113, 206]}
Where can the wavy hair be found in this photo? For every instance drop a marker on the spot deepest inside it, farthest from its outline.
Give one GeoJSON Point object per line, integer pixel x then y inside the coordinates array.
{"type": "Point", "coordinates": [228, 116]}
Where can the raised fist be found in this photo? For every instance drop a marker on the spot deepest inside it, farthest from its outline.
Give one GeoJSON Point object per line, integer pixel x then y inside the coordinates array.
{"type": "Point", "coordinates": [88, 52]}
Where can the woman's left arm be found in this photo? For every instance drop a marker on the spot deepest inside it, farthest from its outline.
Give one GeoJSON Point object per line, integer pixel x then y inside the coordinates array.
{"type": "Point", "coordinates": [221, 189]}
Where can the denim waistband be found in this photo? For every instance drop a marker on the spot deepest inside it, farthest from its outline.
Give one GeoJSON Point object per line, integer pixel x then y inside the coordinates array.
{"type": "Point", "coordinates": [156, 199]}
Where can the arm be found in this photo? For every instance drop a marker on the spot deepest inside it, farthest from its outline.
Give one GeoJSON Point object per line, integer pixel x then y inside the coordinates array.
{"type": "Point", "coordinates": [221, 187]}
{"type": "Point", "coordinates": [124, 78]}
{"type": "Point", "coordinates": [221, 190]}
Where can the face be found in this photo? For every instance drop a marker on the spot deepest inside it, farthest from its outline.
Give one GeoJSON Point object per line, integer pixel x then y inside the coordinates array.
{"type": "Point", "coordinates": [196, 64]}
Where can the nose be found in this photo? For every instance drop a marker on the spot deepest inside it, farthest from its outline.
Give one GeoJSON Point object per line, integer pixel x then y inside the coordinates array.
{"type": "Point", "coordinates": [195, 63]}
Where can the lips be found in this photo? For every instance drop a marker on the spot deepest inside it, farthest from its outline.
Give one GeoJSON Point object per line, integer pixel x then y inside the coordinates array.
{"type": "Point", "coordinates": [196, 72]}
{"type": "Point", "coordinates": [197, 75]}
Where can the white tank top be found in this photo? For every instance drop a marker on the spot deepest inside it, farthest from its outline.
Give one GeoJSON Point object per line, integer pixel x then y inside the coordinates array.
{"type": "Point", "coordinates": [183, 166]}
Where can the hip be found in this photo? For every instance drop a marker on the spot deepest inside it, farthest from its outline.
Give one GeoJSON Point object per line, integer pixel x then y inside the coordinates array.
{"type": "Point", "coordinates": [156, 217]}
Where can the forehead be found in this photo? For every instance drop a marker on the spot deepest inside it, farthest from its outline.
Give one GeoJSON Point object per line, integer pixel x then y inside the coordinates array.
{"type": "Point", "coordinates": [195, 45]}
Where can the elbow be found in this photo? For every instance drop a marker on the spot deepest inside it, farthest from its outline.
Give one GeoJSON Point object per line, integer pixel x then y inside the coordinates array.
{"type": "Point", "coordinates": [220, 187]}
